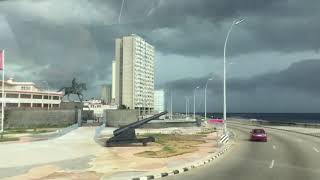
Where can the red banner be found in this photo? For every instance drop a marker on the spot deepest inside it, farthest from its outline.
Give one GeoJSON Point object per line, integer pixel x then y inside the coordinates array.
{"type": "Point", "coordinates": [215, 121]}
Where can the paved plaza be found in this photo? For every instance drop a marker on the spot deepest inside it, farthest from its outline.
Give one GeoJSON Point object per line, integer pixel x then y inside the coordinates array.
{"type": "Point", "coordinates": [78, 155]}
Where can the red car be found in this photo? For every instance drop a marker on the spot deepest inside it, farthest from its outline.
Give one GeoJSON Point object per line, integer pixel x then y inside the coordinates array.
{"type": "Point", "coordinates": [258, 135]}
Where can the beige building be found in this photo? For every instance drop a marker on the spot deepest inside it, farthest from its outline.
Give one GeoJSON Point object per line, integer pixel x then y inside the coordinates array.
{"type": "Point", "coordinates": [106, 91]}
{"type": "Point", "coordinates": [28, 95]}
{"type": "Point", "coordinates": [133, 73]}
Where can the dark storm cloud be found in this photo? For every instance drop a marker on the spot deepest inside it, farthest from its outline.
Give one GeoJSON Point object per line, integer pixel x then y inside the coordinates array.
{"type": "Point", "coordinates": [196, 28]}
{"type": "Point", "coordinates": [301, 76]}
{"type": "Point", "coordinates": [68, 39]}
{"type": "Point", "coordinates": [295, 89]}
{"type": "Point", "coordinates": [42, 43]}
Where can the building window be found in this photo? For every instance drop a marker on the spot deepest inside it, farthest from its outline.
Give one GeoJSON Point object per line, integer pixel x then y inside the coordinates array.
{"type": "Point", "coordinates": [45, 97]}
{"type": "Point", "coordinates": [9, 95]}
{"type": "Point", "coordinates": [45, 105]}
{"type": "Point", "coordinates": [55, 97]}
{"type": "Point", "coordinates": [28, 88]}
{"type": "Point", "coordinates": [55, 105]}
{"type": "Point", "coordinates": [12, 104]}
{"type": "Point", "coordinates": [38, 105]}
{"type": "Point", "coordinates": [25, 104]}
{"type": "Point", "coordinates": [37, 96]}
{"type": "Point", "coordinates": [25, 96]}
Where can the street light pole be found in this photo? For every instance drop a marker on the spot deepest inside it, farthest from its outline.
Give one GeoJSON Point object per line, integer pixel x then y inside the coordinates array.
{"type": "Point", "coordinates": [171, 104]}
{"type": "Point", "coordinates": [186, 107]}
{"type": "Point", "coordinates": [194, 102]}
{"type": "Point", "coordinates": [236, 22]}
{"type": "Point", "coordinates": [205, 99]}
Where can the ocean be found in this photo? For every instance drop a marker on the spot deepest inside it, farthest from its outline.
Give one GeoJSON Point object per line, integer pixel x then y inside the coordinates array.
{"type": "Point", "coordinates": [274, 117]}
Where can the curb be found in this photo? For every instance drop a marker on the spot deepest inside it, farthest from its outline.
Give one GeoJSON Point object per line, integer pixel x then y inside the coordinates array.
{"type": "Point", "coordinates": [187, 168]}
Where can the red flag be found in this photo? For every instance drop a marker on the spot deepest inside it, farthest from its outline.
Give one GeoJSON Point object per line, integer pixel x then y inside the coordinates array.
{"type": "Point", "coordinates": [1, 59]}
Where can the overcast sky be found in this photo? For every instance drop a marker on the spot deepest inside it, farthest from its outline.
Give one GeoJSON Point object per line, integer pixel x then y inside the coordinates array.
{"type": "Point", "coordinates": [273, 56]}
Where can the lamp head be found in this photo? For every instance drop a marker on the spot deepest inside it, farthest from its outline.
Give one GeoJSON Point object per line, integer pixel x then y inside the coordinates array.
{"type": "Point", "coordinates": [236, 22]}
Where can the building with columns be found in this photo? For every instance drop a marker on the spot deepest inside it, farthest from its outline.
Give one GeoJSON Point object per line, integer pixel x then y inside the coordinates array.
{"type": "Point", "coordinates": [28, 95]}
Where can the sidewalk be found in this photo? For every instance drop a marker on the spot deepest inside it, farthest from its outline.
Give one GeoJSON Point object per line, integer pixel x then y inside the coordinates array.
{"type": "Point", "coordinates": [77, 155]}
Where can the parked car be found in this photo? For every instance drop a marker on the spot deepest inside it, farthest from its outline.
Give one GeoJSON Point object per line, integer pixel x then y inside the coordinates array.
{"type": "Point", "coordinates": [258, 135]}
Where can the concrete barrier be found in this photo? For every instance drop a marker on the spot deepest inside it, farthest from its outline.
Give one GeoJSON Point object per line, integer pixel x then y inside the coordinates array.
{"type": "Point", "coordinates": [278, 123]}
{"type": "Point", "coordinates": [119, 117]}
{"type": "Point", "coordinates": [33, 118]}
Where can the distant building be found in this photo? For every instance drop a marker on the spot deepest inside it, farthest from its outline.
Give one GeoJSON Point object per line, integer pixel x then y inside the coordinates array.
{"type": "Point", "coordinates": [159, 101]}
{"type": "Point", "coordinates": [114, 81]}
{"type": "Point", "coordinates": [133, 74]}
{"type": "Point", "coordinates": [106, 93]}
{"type": "Point", "coordinates": [28, 95]}
{"type": "Point", "coordinates": [97, 107]}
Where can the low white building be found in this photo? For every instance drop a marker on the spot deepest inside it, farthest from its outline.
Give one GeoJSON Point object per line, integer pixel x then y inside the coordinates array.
{"type": "Point", "coordinates": [28, 95]}
{"type": "Point", "coordinates": [97, 107]}
{"type": "Point", "coordinates": [159, 101]}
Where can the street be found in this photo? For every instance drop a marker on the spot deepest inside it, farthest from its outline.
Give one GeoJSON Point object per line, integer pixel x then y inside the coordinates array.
{"type": "Point", "coordinates": [285, 156]}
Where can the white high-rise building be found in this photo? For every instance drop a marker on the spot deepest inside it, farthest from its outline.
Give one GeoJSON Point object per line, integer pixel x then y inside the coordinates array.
{"type": "Point", "coordinates": [133, 73]}
{"type": "Point", "coordinates": [159, 101]}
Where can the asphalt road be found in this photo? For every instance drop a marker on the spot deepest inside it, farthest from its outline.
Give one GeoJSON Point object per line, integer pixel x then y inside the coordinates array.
{"type": "Point", "coordinates": [286, 156]}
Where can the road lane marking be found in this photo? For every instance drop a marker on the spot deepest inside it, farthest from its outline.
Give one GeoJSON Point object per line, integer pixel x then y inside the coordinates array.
{"type": "Point", "coordinates": [315, 149]}
{"type": "Point", "coordinates": [271, 165]}
{"type": "Point", "coordinates": [274, 147]}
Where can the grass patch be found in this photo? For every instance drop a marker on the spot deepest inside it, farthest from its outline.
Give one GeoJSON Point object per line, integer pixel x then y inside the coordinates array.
{"type": "Point", "coordinates": [16, 131]}
{"type": "Point", "coordinates": [5, 139]}
{"type": "Point", "coordinates": [29, 131]}
{"type": "Point", "coordinates": [173, 145]}
{"type": "Point", "coordinates": [207, 131]}
{"type": "Point", "coordinates": [39, 131]}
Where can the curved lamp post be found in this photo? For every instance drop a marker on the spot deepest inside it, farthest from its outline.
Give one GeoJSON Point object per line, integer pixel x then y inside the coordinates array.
{"type": "Point", "coordinates": [205, 99]}
{"type": "Point", "coordinates": [194, 102]}
{"type": "Point", "coordinates": [236, 22]}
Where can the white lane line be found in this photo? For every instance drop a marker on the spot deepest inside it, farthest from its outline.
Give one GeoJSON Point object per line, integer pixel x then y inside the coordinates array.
{"type": "Point", "coordinates": [274, 147]}
{"type": "Point", "coordinates": [316, 150]}
{"type": "Point", "coordinates": [271, 165]}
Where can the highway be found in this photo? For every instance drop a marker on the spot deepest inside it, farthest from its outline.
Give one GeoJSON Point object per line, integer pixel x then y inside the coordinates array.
{"type": "Point", "coordinates": [286, 156]}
